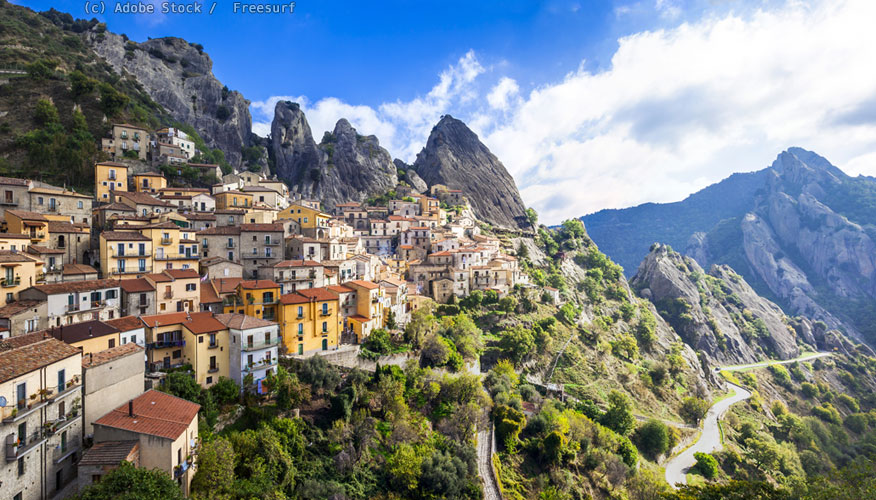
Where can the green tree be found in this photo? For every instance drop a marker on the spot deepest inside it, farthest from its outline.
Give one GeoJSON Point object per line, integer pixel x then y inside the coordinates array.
{"type": "Point", "coordinates": [378, 342]}
{"type": "Point", "coordinates": [182, 385]}
{"type": "Point", "coordinates": [619, 416]}
{"type": "Point", "coordinates": [404, 467]}
{"type": "Point", "coordinates": [45, 113]}
{"type": "Point", "coordinates": [532, 217]}
{"type": "Point", "coordinates": [652, 438]}
{"type": "Point", "coordinates": [111, 100]}
{"type": "Point", "coordinates": [706, 465]}
{"type": "Point", "coordinates": [225, 391]}
{"type": "Point", "coordinates": [81, 85]}
{"type": "Point", "coordinates": [41, 69]}
{"type": "Point", "coordinates": [129, 482]}
{"type": "Point", "coordinates": [693, 409]}
{"type": "Point", "coordinates": [517, 342]}
{"type": "Point", "coordinates": [215, 476]}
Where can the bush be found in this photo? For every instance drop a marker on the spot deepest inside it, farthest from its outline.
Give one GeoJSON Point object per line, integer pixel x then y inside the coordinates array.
{"type": "Point", "coordinates": [780, 375]}
{"type": "Point", "coordinates": [693, 409]}
{"type": "Point", "coordinates": [45, 113]}
{"type": "Point", "coordinates": [706, 465]}
{"type": "Point", "coordinates": [225, 391]}
{"type": "Point", "coordinates": [223, 113]}
{"type": "Point", "coordinates": [378, 342]}
{"type": "Point", "coordinates": [619, 416]}
{"type": "Point", "coordinates": [809, 390]}
{"type": "Point", "coordinates": [828, 413]}
{"type": "Point", "coordinates": [41, 69]}
{"type": "Point", "coordinates": [111, 100]}
{"type": "Point", "coordinates": [652, 438]}
{"type": "Point", "coordinates": [849, 402]}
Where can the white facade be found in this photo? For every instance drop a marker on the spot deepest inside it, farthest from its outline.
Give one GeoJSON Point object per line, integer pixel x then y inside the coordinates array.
{"type": "Point", "coordinates": [254, 351]}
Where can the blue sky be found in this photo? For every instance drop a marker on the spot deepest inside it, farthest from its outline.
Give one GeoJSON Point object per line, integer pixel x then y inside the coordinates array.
{"type": "Point", "coordinates": [589, 104]}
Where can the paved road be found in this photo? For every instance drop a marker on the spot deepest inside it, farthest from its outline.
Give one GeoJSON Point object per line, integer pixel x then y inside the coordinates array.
{"type": "Point", "coordinates": [710, 439]}
{"type": "Point", "coordinates": [485, 465]}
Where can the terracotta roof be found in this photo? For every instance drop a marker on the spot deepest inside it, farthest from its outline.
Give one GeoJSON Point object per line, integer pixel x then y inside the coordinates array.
{"type": "Point", "coordinates": [203, 165]}
{"type": "Point", "coordinates": [57, 192]}
{"type": "Point", "coordinates": [296, 263]}
{"type": "Point", "coordinates": [340, 289]}
{"type": "Point", "coordinates": [219, 231]}
{"type": "Point", "coordinates": [359, 318]}
{"type": "Point", "coordinates": [262, 227]}
{"type": "Point", "coordinates": [109, 452]}
{"type": "Point", "coordinates": [242, 321]}
{"type": "Point", "coordinates": [208, 294]}
{"type": "Point", "coordinates": [25, 353]}
{"type": "Point", "coordinates": [198, 216]}
{"type": "Point", "coordinates": [158, 278]}
{"type": "Point", "coordinates": [364, 284]}
{"type": "Point", "coordinates": [209, 261]}
{"type": "Point", "coordinates": [143, 199]}
{"type": "Point", "coordinates": [318, 294]}
{"type": "Point", "coordinates": [155, 413]}
{"type": "Point", "coordinates": [123, 236]}
{"type": "Point", "coordinates": [14, 236]}
{"type": "Point", "coordinates": [293, 298]}
{"type": "Point", "coordinates": [77, 286]}
{"type": "Point", "coordinates": [125, 323]}
{"type": "Point", "coordinates": [179, 274]}
{"type": "Point", "coordinates": [107, 355]}
{"type": "Point", "coordinates": [70, 269]}
{"type": "Point", "coordinates": [196, 322]}
{"type": "Point", "coordinates": [56, 226]}
{"type": "Point", "coordinates": [258, 189]}
{"type": "Point", "coordinates": [149, 174]}
{"type": "Point", "coordinates": [29, 216]}
{"type": "Point", "coordinates": [160, 225]}
{"type": "Point", "coordinates": [226, 285]}
{"type": "Point", "coordinates": [136, 285]}
{"type": "Point", "coordinates": [257, 284]}
{"type": "Point", "coordinates": [13, 308]}
{"type": "Point", "coordinates": [14, 256]}
{"type": "Point", "coordinates": [233, 191]}
{"type": "Point", "coordinates": [229, 211]}
{"type": "Point", "coordinates": [39, 249]}
{"type": "Point", "coordinates": [118, 206]}
{"type": "Point", "coordinates": [12, 181]}
{"type": "Point", "coordinates": [77, 332]}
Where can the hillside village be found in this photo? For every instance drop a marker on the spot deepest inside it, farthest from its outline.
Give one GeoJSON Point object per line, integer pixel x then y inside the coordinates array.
{"type": "Point", "coordinates": [146, 278]}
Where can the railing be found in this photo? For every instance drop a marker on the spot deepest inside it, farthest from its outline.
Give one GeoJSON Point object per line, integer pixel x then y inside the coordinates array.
{"type": "Point", "coordinates": [272, 242]}
{"type": "Point", "coordinates": [142, 303]}
{"type": "Point", "coordinates": [17, 447]}
{"type": "Point", "coordinates": [54, 208]}
{"type": "Point", "coordinates": [61, 453]}
{"type": "Point", "coordinates": [38, 235]}
{"type": "Point", "coordinates": [7, 283]}
{"type": "Point", "coordinates": [213, 345]}
{"type": "Point", "coordinates": [11, 202]}
{"type": "Point", "coordinates": [168, 295]}
{"type": "Point", "coordinates": [229, 244]}
{"type": "Point", "coordinates": [72, 307]}
{"type": "Point", "coordinates": [166, 241]}
{"type": "Point", "coordinates": [254, 345]}
{"type": "Point", "coordinates": [213, 369]}
{"type": "Point", "coordinates": [258, 365]}
{"type": "Point", "coordinates": [181, 469]}
{"type": "Point", "coordinates": [54, 269]}
{"type": "Point", "coordinates": [176, 256]}
{"type": "Point", "coordinates": [164, 344]}
{"type": "Point", "coordinates": [114, 251]}
{"type": "Point", "coordinates": [133, 270]}
{"type": "Point", "coordinates": [325, 313]}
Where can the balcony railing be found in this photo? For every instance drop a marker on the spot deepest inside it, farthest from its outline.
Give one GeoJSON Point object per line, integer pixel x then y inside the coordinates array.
{"type": "Point", "coordinates": [37, 235]}
{"type": "Point", "coordinates": [16, 447]}
{"type": "Point", "coordinates": [132, 270]}
{"type": "Point", "coordinates": [261, 344]}
{"type": "Point", "coordinates": [213, 345]}
{"type": "Point", "coordinates": [114, 251]}
{"type": "Point", "coordinates": [166, 241]}
{"type": "Point", "coordinates": [213, 369]}
{"type": "Point", "coordinates": [230, 244]}
{"type": "Point", "coordinates": [10, 202]}
{"type": "Point", "coordinates": [181, 469]}
{"type": "Point", "coordinates": [258, 365]}
{"type": "Point", "coordinates": [272, 242]}
{"type": "Point", "coordinates": [165, 344]}
{"type": "Point", "coordinates": [61, 453]}
{"type": "Point", "coordinates": [176, 256]}
{"type": "Point", "coordinates": [9, 283]}
{"type": "Point", "coordinates": [168, 295]}
{"type": "Point", "coordinates": [325, 313]}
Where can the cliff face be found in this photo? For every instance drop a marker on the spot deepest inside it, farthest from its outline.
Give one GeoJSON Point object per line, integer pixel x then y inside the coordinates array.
{"type": "Point", "coordinates": [717, 313]}
{"type": "Point", "coordinates": [456, 158]}
{"type": "Point", "coordinates": [800, 231]}
{"type": "Point", "coordinates": [179, 76]}
{"type": "Point", "coordinates": [345, 166]}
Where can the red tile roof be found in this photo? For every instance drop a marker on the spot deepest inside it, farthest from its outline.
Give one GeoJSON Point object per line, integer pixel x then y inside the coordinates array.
{"type": "Point", "coordinates": [179, 274]}
{"type": "Point", "coordinates": [77, 286]}
{"type": "Point", "coordinates": [197, 322]}
{"type": "Point", "coordinates": [293, 298]}
{"type": "Point", "coordinates": [78, 269]}
{"type": "Point", "coordinates": [340, 289]}
{"type": "Point", "coordinates": [208, 294]}
{"type": "Point", "coordinates": [113, 353]}
{"type": "Point", "coordinates": [25, 353]}
{"type": "Point", "coordinates": [226, 285]}
{"type": "Point", "coordinates": [155, 413]}
{"type": "Point", "coordinates": [136, 285]}
{"type": "Point", "coordinates": [318, 294]}
{"type": "Point", "coordinates": [364, 284]}
{"type": "Point", "coordinates": [242, 321]}
{"type": "Point", "coordinates": [258, 284]}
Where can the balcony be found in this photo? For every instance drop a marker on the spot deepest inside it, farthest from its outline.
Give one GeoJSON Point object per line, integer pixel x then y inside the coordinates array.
{"type": "Point", "coordinates": [114, 251]}
{"type": "Point", "coordinates": [12, 202]}
{"type": "Point", "coordinates": [272, 242]}
{"type": "Point", "coordinates": [213, 369]}
{"type": "Point", "coordinates": [166, 344]}
{"type": "Point", "coordinates": [10, 283]}
{"type": "Point", "coordinates": [166, 241]}
{"type": "Point", "coordinates": [262, 344]}
{"type": "Point", "coordinates": [260, 364]}
{"type": "Point", "coordinates": [37, 235]}
{"type": "Point", "coordinates": [17, 447]}
{"type": "Point", "coordinates": [213, 345]}
{"type": "Point", "coordinates": [54, 208]}
{"type": "Point", "coordinates": [168, 295]}
{"type": "Point", "coordinates": [181, 469]}
{"type": "Point", "coordinates": [230, 244]}
{"type": "Point", "coordinates": [325, 313]}
{"type": "Point", "coordinates": [176, 256]}
{"type": "Point", "coordinates": [61, 453]}
{"type": "Point", "coordinates": [133, 270]}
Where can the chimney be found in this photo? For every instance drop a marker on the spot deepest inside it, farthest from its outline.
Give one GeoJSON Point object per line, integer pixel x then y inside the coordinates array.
{"type": "Point", "coordinates": [131, 408]}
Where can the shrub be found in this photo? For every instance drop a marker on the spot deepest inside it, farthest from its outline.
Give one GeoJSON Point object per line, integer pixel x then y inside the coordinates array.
{"type": "Point", "coordinates": [45, 113]}
{"type": "Point", "coordinates": [619, 416]}
{"type": "Point", "coordinates": [378, 342]}
{"type": "Point", "coordinates": [225, 391]}
{"type": "Point", "coordinates": [809, 390]}
{"type": "Point", "coordinates": [857, 422]}
{"type": "Point", "coordinates": [706, 465]}
{"type": "Point", "coordinates": [693, 409]}
{"type": "Point", "coordinates": [41, 69]}
{"type": "Point", "coordinates": [849, 402]}
{"type": "Point", "coordinates": [652, 438]}
{"type": "Point", "coordinates": [780, 375]}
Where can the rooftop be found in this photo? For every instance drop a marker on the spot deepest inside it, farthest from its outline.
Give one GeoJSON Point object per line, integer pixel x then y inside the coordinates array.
{"type": "Point", "coordinates": [196, 322]}
{"type": "Point", "coordinates": [242, 321]}
{"type": "Point", "coordinates": [111, 354]}
{"type": "Point", "coordinates": [77, 286]}
{"type": "Point", "coordinates": [155, 413]}
{"type": "Point", "coordinates": [25, 353]}
{"type": "Point", "coordinates": [77, 332]}
{"type": "Point", "coordinates": [125, 323]}
{"type": "Point", "coordinates": [136, 285]}
{"type": "Point", "coordinates": [109, 452]}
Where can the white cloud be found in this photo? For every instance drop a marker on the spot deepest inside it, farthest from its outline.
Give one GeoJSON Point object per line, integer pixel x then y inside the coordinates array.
{"type": "Point", "coordinates": [678, 108]}
{"type": "Point", "coordinates": [502, 93]}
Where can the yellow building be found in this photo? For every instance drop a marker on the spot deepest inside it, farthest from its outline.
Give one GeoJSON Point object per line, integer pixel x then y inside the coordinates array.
{"type": "Point", "coordinates": [17, 272]}
{"type": "Point", "coordinates": [257, 298]}
{"type": "Point", "coordinates": [109, 176]}
{"type": "Point", "coordinates": [369, 308]}
{"type": "Point", "coordinates": [233, 199]}
{"type": "Point", "coordinates": [89, 336]}
{"type": "Point", "coordinates": [176, 290]}
{"type": "Point", "coordinates": [309, 321]}
{"type": "Point", "coordinates": [197, 339]}
{"type": "Point", "coordinates": [173, 247]}
{"type": "Point", "coordinates": [125, 254]}
{"type": "Point", "coordinates": [313, 222]}
{"type": "Point", "coordinates": [28, 223]}
{"type": "Point", "coordinates": [149, 182]}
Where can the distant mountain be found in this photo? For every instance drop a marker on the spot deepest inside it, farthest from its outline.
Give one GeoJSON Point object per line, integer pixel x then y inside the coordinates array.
{"type": "Point", "coordinates": [802, 232]}
{"type": "Point", "coordinates": [455, 157]}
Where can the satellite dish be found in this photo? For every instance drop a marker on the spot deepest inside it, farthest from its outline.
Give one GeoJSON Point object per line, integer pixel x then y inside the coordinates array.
{"type": "Point", "coordinates": [2, 402]}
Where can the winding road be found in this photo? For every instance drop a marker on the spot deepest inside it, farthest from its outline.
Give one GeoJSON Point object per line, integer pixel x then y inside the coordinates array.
{"type": "Point", "coordinates": [710, 439]}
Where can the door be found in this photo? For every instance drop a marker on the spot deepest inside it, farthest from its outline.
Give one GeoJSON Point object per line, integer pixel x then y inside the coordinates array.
{"type": "Point", "coordinates": [300, 348]}
{"type": "Point", "coordinates": [61, 380]}
{"type": "Point", "coordinates": [325, 344]}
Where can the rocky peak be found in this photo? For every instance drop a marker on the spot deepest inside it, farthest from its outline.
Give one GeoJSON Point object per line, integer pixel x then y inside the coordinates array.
{"type": "Point", "coordinates": [455, 157]}
{"type": "Point", "coordinates": [344, 166]}
{"type": "Point", "coordinates": [717, 313]}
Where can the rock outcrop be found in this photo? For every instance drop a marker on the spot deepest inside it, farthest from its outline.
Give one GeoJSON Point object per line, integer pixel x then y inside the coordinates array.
{"type": "Point", "coordinates": [345, 166]}
{"type": "Point", "coordinates": [717, 313]}
{"type": "Point", "coordinates": [178, 75]}
{"type": "Point", "coordinates": [455, 157]}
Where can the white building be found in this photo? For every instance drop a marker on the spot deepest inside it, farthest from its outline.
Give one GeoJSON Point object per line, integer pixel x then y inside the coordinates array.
{"type": "Point", "coordinates": [177, 138]}
{"type": "Point", "coordinates": [77, 301]}
{"type": "Point", "coordinates": [254, 347]}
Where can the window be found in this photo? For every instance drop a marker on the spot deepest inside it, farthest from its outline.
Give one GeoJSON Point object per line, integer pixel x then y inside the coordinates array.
{"type": "Point", "coordinates": [300, 312]}
{"type": "Point", "coordinates": [61, 380]}
{"type": "Point", "coordinates": [324, 327]}
{"type": "Point", "coordinates": [21, 466]}
{"type": "Point", "coordinates": [191, 287]}
{"type": "Point", "coordinates": [111, 343]}
{"type": "Point", "coordinates": [300, 328]}
{"type": "Point", "coordinates": [39, 200]}
{"type": "Point", "coordinates": [325, 308]}
{"type": "Point", "coordinates": [200, 339]}
{"type": "Point", "coordinates": [177, 354]}
{"type": "Point", "coordinates": [79, 205]}
{"type": "Point", "coordinates": [209, 380]}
